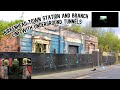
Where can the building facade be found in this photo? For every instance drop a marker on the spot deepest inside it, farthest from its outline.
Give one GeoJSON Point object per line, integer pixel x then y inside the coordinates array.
{"type": "Point", "coordinates": [53, 39]}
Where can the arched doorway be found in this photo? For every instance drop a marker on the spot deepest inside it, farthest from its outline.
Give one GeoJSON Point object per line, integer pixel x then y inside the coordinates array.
{"type": "Point", "coordinates": [41, 44]}
{"type": "Point", "coordinates": [91, 47]}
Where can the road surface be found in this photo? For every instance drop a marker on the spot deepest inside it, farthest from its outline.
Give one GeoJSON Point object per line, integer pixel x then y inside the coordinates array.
{"type": "Point", "coordinates": [104, 72]}
{"type": "Point", "coordinates": [113, 73]}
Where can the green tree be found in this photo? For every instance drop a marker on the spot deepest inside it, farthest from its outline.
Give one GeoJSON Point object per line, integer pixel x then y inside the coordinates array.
{"type": "Point", "coordinates": [5, 24]}
{"type": "Point", "coordinates": [107, 39]}
{"type": "Point", "coordinates": [112, 41]}
{"type": "Point", "coordinates": [87, 29]}
{"type": "Point", "coordinates": [75, 28]}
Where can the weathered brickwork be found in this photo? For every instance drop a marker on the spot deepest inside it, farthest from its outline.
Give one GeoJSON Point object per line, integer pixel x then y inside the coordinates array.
{"type": "Point", "coordinates": [8, 44]}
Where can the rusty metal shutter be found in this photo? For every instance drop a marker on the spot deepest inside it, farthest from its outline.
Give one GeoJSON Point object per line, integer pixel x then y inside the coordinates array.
{"type": "Point", "coordinates": [73, 49]}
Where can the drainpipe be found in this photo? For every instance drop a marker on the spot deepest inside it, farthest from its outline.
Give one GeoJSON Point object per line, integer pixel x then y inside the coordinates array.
{"type": "Point", "coordinates": [59, 39]}
{"type": "Point", "coordinates": [32, 37]}
{"type": "Point", "coordinates": [19, 45]}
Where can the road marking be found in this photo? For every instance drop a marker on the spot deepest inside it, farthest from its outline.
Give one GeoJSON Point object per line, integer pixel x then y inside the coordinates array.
{"type": "Point", "coordinates": [82, 77]}
{"type": "Point", "coordinates": [101, 77]}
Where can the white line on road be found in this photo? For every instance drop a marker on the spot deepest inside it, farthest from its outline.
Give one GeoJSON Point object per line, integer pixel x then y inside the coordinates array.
{"type": "Point", "coordinates": [102, 77]}
{"type": "Point", "coordinates": [82, 77]}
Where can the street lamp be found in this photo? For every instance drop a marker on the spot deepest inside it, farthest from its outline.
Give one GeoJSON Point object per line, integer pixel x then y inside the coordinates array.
{"type": "Point", "coordinates": [98, 58]}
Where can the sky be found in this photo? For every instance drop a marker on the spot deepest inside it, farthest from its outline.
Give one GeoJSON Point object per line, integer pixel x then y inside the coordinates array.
{"type": "Point", "coordinates": [27, 15]}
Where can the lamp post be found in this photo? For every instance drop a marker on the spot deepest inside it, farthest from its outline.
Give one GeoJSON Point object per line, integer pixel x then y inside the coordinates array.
{"type": "Point", "coordinates": [98, 58]}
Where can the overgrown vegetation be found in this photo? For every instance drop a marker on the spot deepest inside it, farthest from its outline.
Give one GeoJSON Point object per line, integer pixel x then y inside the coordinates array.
{"type": "Point", "coordinates": [5, 24]}
{"type": "Point", "coordinates": [107, 39]}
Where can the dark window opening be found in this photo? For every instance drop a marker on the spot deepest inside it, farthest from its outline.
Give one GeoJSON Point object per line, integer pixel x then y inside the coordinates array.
{"type": "Point", "coordinates": [73, 49]}
{"type": "Point", "coordinates": [40, 48]}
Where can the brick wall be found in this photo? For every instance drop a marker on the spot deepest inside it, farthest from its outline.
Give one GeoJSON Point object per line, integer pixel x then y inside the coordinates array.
{"type": "Point", "coordinates": [8, 44]}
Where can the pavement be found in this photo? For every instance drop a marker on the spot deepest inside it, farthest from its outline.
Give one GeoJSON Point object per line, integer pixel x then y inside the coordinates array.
{"type": "Point", "coordinates": [76, 74]}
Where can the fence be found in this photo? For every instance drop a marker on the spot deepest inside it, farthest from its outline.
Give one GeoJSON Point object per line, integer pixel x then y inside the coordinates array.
{"type": "Point", "coordinates": [55, 62]}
